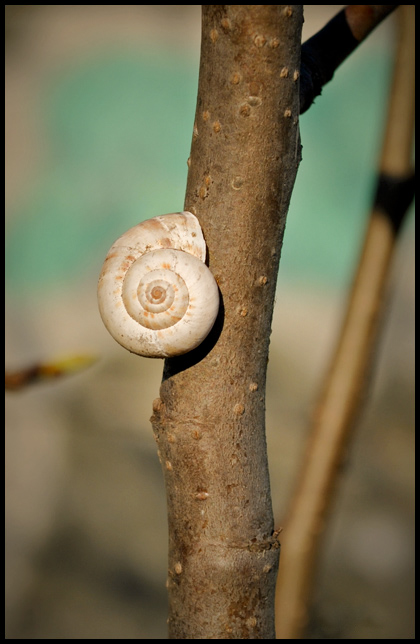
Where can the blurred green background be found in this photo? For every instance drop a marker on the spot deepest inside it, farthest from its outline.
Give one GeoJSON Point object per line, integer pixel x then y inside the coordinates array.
{"type": "Point", "coordinates": [116, 123]}
{"type": "Point", "coordinates": [100, 103]}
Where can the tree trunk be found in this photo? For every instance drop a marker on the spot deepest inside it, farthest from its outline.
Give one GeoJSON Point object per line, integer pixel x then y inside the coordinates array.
{"type": "Point", "coordinates": [209, 421]}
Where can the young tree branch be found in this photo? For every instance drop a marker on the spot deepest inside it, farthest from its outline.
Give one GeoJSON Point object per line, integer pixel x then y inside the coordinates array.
{"type": "Point", "coordinates": [325, 51]}
{"type": "Point", "coordinates": [209, 421]}
{"type": "Point", "coordinates": [346, 382]}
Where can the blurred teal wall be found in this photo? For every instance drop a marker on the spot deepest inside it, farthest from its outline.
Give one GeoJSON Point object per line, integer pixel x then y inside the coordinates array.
{"type": "Point", "coordinates": [118, 131]}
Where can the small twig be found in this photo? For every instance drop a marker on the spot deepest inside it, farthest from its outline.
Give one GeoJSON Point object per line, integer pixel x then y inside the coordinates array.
{"type": "Point", "coordinates": [341, 399]}
{"type": "Point", "coordinates": [46, 371]}
{"type": "Point", "coordinates": [326, 50]}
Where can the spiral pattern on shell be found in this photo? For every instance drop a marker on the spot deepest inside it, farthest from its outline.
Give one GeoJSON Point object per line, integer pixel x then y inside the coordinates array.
{"type": "Point", "coordinates": [156, 295]}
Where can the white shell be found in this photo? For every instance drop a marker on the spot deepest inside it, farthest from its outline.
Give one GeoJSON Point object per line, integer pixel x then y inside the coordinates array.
{"type": "Point", "coordinates": [156, 296]}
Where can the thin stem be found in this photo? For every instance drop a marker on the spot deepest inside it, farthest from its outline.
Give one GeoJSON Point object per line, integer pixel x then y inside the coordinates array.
{"type": "Point", "coordinates": [345, 384]}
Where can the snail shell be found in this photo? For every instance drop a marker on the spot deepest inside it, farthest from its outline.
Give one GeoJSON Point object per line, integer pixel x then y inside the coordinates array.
{"type": "Point", "coordinates": [156, 296]}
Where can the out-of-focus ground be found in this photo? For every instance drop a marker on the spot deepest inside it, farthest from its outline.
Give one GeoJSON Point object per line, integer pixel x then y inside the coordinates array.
{"type": "Point", "coordinates": [100, 102]}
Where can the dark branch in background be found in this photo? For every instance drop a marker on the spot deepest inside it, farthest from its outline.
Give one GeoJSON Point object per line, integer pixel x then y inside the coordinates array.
{"type": "Point", "coordinates": [394, 196]}
{"type": "Point", "coordinates": [326, 50]}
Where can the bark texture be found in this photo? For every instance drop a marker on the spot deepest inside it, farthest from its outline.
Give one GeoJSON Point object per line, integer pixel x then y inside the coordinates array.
{"type": "Point", "coordinates": [209, 421]}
